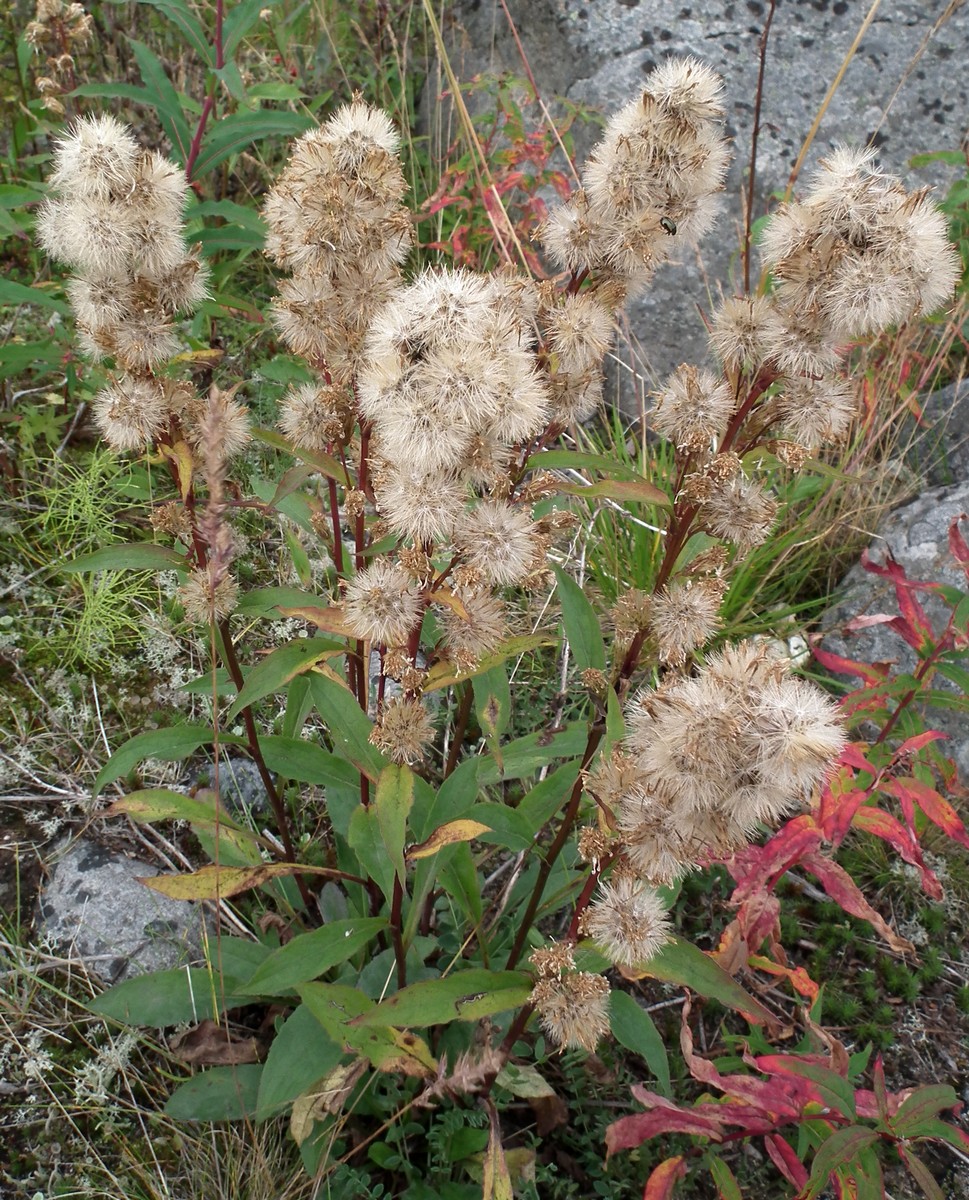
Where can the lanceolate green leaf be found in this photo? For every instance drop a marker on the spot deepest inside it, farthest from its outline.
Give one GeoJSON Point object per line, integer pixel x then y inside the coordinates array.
{"type": "Point", "coordinates": [178, 741]}
{"type": "Point", "coordinates": [633, 1027]}
{"type": "Point", "coordinates": [164, 99]}
{"type": "Point", "coordinates": [12, 292]}
{"type": "Point", "coordinates": [310, 955]}
{"type": "Point", "coordinates": [462, 996]}
{"type": "Point", "coordinates": [171, 997]}
{"type": "Point", "coordinates": [392, 804]}
{"type": "Point", "coordinates": [133, 556]}
{"type": "Point", "coordinates": [335, 1006]}
{"type": "Point", "coordinates": [581, 624]}
{"type": "Point", "coordinates": [277, 669]}
{"type": "Point", "coordinates": [239, 130]}
{"type": "Point", "coordinates": [294, 758]}
{"type": "Point", "coordinates": [301, 1055]}
{"type": "Point", "coordinates": [348, 725]}
{"type": "Point", "coordinates": [217, 1094]}
{"type": "Point", "coordinates": [682, 963]}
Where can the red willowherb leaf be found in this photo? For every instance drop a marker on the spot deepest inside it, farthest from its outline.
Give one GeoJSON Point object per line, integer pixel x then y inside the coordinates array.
{"type": "Point", "coordinates": [844, 891]}
{"type": "Point", "coordinates": [872, 673]}
{"type": "Point", "coordinates": [663, 1117]}
{"type": "Point", "coordinates": [885, 826]}
{"type": "Point", "coordinates": [853, 756]}
{"type": "Point", "coordinates": [662, 1179]}
{"type": "Point", "coordinates": [836, 813]}
{"type": "Point", "coordinates": [801, 981]}
{"type": "Point", "coordinates": [913, 744]}
{"type": "Point", "coordinates": [782, 1155]}
{"type": "Point", "coordinates": [913, 624]}
{"type": "Point", "coordinates": [958, 547]}
{"type": "Point", "coordinates": [939, 811]}
{"type": "Point", "coordinates": [761, 866]}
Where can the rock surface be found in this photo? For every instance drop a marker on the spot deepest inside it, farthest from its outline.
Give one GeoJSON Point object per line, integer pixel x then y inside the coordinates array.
{"type": "Point", "coordinates": [905, 90]}
{"type": "Point", "coordinates": [917, 537]}
{"type": "Point", "coordinates": [94, 909]}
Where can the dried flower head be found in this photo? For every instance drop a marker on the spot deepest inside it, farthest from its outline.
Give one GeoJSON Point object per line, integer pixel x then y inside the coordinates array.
{"type": "Point", "coordinates": [738, 330]}
{"type": "Point", "coordinates": [574, 1010]}
{"type": "Point", "coordinates": [739, 510]}
{"type": "Point", "coordinates": [205, 599]}
{"type": "Point", "coordinates": [131, 412]}
{"type": "Point", "coordinates": [469, 637]}
{"type": "Point", "coordinates": [693, 409]}
{"type": "Point", "coordinates": [383, 604]}
{"type": "Point", "coordinates": [628, 921]}
{"type": "Point", "coordinates": [403, 731]}
{"type": "Point", "coordinates": [684, 616]}
{"type": "Point", "coordinates": [815, 412]}
{"type": "Point", "coordinates": [314, 415]}
{"type": "Point", "coordinates": [499, 540]}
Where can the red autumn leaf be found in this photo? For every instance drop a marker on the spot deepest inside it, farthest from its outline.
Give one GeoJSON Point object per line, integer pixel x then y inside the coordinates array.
{"type": "Point", "coordinates": [958, 547]}
{"type": "Point", "coordinates": [800, 980]}
{"type": "Point", "coordinates": [762, 866]}
{"type": "Point", "coordinates": [913, 620]}
{"type": "Point", "coordinates": [837, 813]}
{"type": "Point", "coordinates": [759, 917]}
{"type": "Point", "coordinates": [853, 756]}
{"type": "Point", "coordinates": [663, 1179]}
{"type": "Point", "coordinates": [782, 1155]}
{"type": "Point", "coordinates": [871, 673]}
{"type": "Point", "coordinates": [885, 826]}
{"type": "Point", "coordinates": [939, 811]}
{"type": "Point", "coordinates": [629, 1132]}
{"type": "Point", "coordinates": [844, 891]}
{"type": "Point", "coordinates": [913, 744]}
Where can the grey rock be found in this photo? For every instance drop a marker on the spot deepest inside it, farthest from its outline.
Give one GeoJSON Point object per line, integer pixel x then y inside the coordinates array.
{"type": "Point", "coordinates": [93, 908]}
{"type": "Point", "coordinates": [903, 90]}
{"type": "Point", "coordinates": [938, 445]}
{"type": "Point", "coordinates": [241, 788]}
{"type": "Point", "coordinates": [917, 536]}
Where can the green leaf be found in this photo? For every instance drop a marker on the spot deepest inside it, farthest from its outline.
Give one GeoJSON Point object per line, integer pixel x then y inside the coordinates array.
{"type": "Point", "coordinates": [682, 963]}
{"type": "Point", "coordinates": [724, 1178]}
{"type": "Point", "coordinates": [526, 755]}
{"type": "Point", "coordinates": [581, 624]}
{"type": "Point", "coordinates": [348, 725]}
{"type": "Point", "coordinates": [838, 1150]}
{"type": "Point", "coordinates": [239, 130]}
{"type": "Point", "coordinates": [460, 996]}
{"type": "Point", "coordinates": [366, 842]}
{"type": "Point", "coordinates": [12, 292]}
{"type": "Point", "coordinates": [460, 880]}
{"type": "Point", "coordinates": [163, 98]}
{"type": "Point", "coordinates": [240, 17]}
{"type": "Point", "coordinates": [301, 1055]}
{"type": "Point", "coordinates": [265, 602]}
{"type": "Point", "coordinates": [920, 1172]}
{"type": "Point", "coordinates": [335, 1005]}
{"type": "Point", "coordinates": [217, 1094]}
{"type": "Point", "coordinates": [236, 957]}
{"type": "Point", "coordinates": [923, 1105]}
{"type": "Point", "coordinates": [16, 195]}
{"type": "Point", "coordinates": [634, 1028]}
{"type": "Point", "coordinates": [275, 671]}
{"type": "Point", "coordinates": [171, 744]}
{"type": "Point", "coordinates": [310, 955]}
{"type": "Point", "coordinates": [293, 758]}
{"type": "Point", "coordinates": [182, 17]}
{"type": "Point", "coordinates": [133, 556]}
{"type": "Point", "coordinates": [505, 826]}
{"type": "Point", "coordinates": [392, 804]}
{"type": "Point", "coordinates": [174, 997]}
{"type": "Point", "coordinates": [276, 89]}
{"type": "Point", "coordinates": [159, 804]}
{"type": "Point", "coordinates": [492, 702]}
{"type": "Point", "coordinates": [836, 1093]}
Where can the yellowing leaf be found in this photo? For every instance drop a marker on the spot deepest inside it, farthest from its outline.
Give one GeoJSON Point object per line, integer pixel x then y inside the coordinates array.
{"type": "Point", "coordinates": [446, 835]}
{"type": "Point", "coordinates": [626, 491]}
{"type": "Point", "coordinates": [214, 882]}
{"type": "Point", "coordinates": [330, 620]}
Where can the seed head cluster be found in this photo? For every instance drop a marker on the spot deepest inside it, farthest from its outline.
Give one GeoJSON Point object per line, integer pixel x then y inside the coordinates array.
{"type": "Point", "coordinates": [648, 187]}
{"type": "Point", "coordinates": [711, 756]}
{"type": "Point", "coordinates": [116, 219]}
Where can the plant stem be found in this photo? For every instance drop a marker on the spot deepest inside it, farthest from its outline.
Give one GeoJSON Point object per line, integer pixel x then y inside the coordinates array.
{"type": "Point", "coordinates": [395, 932]}
{"type": "Point", "coordinates": [460, 727]}
{"type": "Point", "coordinates": [209, 103]}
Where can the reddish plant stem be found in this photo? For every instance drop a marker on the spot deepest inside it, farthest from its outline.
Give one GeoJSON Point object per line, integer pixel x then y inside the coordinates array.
{"type": "Point", "coordinates": [556, 848]}
{"type": "Point", "coordinates": [208, 104]}
{"type": "Point", "coordinates": [460, 727]}
{"type": "Point", "coordinates": [586, 895]}
{"type": "Point", "coordinates": [752, 175]}
{"type": "Point", "coordinates": [396, 906]}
